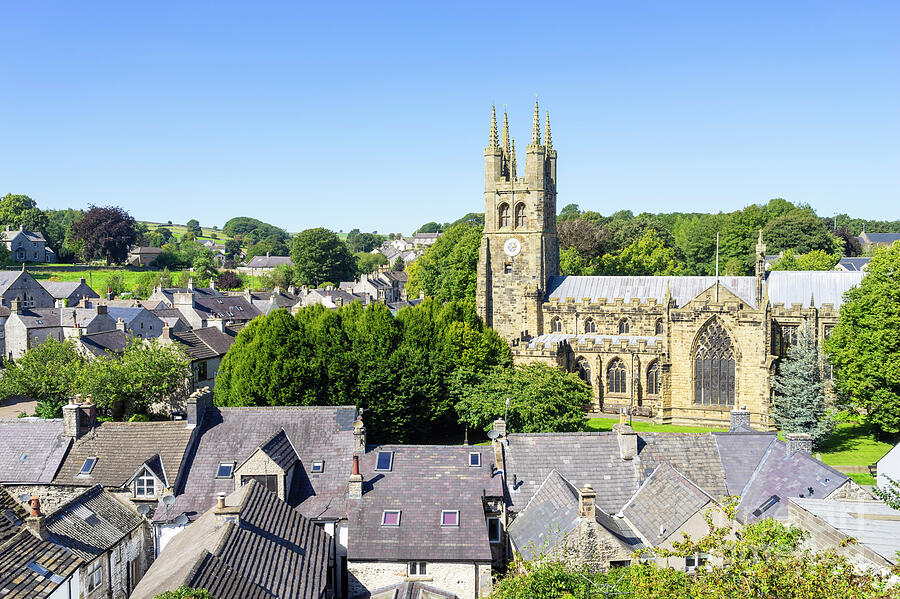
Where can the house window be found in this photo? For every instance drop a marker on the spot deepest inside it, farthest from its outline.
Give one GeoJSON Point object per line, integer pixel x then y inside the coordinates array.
{"type": "Point", "coordinates": [145, 484]}
{"type": "Point", "coordinates": [624, 326]}
{"type": "Point", "coordinates": [590, 326]}
{"type": "Point", "coordinates": [225, 470]}
{"type": "Point", "coordinates": [202, 371]}
{"type": "Point", "coordinates": [88, 465]}
{"type": "Point", "coordinates": [493, 526]}
{"type": "Point", "coordinates": [474, 459]}
{"type": "Point", "coordinates": [520, 215]}
{"type": "Point", "coordinates": [653, 379]}
{"type": "Point", "coordinates": [714, 367]}
{"type": "Point", "coordinates": [450, 518]}
{"type": "Point", "coordinates": [94, 575]}
{"type": "Point", "coordinates": [318, 467]}
{"type": "Point", "coordinates": [417, 569]}
{"type": "Point", "coordinates": [616, 377]}
{"type": "Point", "coordinates": [385, 461]}
{"type": "Point", "coordinates": [390, 518]}
{"type": "Point", "coordinates": [504, 215]}
{"type": "Point", "coordinates": [659, 328]}
{"type": "Point", "coordinates": [556, 325]}
{"type": "Point", "coordinates": [619, 563]}
{"type": "Point", "coordinates": [268, 481]}
{"type": "Point", "coordinates": [692, 562]}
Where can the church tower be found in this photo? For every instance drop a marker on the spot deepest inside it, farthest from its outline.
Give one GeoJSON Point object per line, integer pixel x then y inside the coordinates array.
{"type": "Point", "coordinates": [519, 249]}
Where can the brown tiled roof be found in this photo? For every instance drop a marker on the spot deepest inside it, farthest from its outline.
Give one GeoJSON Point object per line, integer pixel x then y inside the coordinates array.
{"type": "Point", "coordinates": [12, 515]}
{"type": "Point", "coordinates": [122, 448]}
{"type": "Point", "coordinates": [18, 581]}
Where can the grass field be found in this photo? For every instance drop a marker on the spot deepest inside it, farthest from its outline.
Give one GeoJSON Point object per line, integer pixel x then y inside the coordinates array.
{"type": "Point", "coordinates": [97, 279]}
{"type": "Point", "coordinates": [606, 424]}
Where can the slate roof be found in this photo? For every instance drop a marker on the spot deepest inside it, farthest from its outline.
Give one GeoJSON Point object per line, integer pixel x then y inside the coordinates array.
{"type": "Point", "coordinates": [663, 504]}
{"type": "Point", "coordinates": [272, 551]}
{"type": "Point", "coordinates": [92, 523]}
{"type": "Point", "coordinates": [280, 451]}
{"type": "Point", "coordinates": [205, 343]}
{"type": "Point", "coordinates": [854, 264]}
{"type": "Point", "coordinates": [12, 515]}
{"type": "Point", "coordinates": [30, 235]}
{"type": "Point", "coordinates": [31, 449]}
{"type": "Point", "coordinates": [232, 434]}
{"type": "Point", "coordinates": [594, 458]}
{"type": "Point", "coordinates": [167, 314]}
{"type": "Point", "coordinates": [682, 288]}
{"type": "Point", "coordinates": [872, 523]}
{"type": "Point", "coordinates": [423, 481]}
{"type": "Point", "coordinates": [126, 314]}
{"type": "Point", "coordinates": [550, 515]}
{"type": "Point", "coordinates": [64, 289]}
{"type": "Point", "coordinates": [882, 237]}
{"type": "Point", "coordinates": [781, 476]}
{"type": "Point", "coordinates": [741, 453]}
{"type": "Point", "coordinates": [405, 590]}
{"type": "Point", "coordinates": [122, 448]}
{"type": "Point", "coordinates": [18, 581]}
{"type": "Point", "coordinates": [107, 342]}
{"type": "Point", "coordinates": [230, 307]}
{"type": "Point", "coordinates": [799, 287]}
{"type": "Point", "coordinates": [268, 261]}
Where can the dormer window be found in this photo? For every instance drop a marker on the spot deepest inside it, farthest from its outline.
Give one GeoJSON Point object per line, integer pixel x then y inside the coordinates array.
{"type": "Point", "coordinates": [449, 517]}
{"type": "Point", "coordinates": [318, 467]}
{"type": "Point", "coordinates": [390, 518]}
{"type": "Point", "coordinates": [385, 461]}
{"type": "Point", "coordinates": [88, 465]}
{"type": "Point", "coordinates": [474, 460]}
{"type": "Point", "coordinates": [225, 470]}
{"type": "Point", "coordinates": [145, 484]}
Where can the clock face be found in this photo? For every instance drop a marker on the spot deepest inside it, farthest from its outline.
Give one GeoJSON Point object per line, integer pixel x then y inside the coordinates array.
{"type": "Point", "coordinates": [512, 247]}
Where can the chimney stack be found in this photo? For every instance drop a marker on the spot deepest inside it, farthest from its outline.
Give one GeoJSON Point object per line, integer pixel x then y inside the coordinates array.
{"type": "Point", "coordinates": [627, 439]}
{"type": "Point", "coordinates": [587, 500]}
{"type": "Point", "coordinates": [166, 332]}
{"type": "Point", "coordinates": [220, 500]}
{"type": "Point", "coordinates": [101, 309]}
{"type": "Point", "coordinates": [15, 305]}
{"type": "Point", "coordinates": [109, 293]}
{"type": "Point", "coordinates": [356, 480]}
{"type": "Point", "coordinates": [198, 404]}
{"type": "Point", "coordinates": [801, 442]}
{"type": "Point", "coordinates": [190, 285]}
{"type": "Point", "coordinates": [740, 418]}
{"type": "Point", "coordinates": [216, 323]}
{"type": "Point", "coordinates": [359, 435]}
{"type": "Point", "coordinates": [500, 427]}
{"type": "Point", "coordinates": [120, 325]}
{"type": "Point", "coordinates": [623, 416]}
{"type": "Point", "coordinates": [36, 522]}
{"type": "Point", "coordinates": [79, 418]}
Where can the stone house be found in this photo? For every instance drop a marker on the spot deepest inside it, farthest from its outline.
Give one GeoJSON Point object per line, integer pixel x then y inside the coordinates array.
{"type": "Point", "coordinates": [206, 348]}
{"type": "Point", "coordinates": [425, 240]}
{"type": "Point", "coordinates": [20, 285]}
{"type": "Point", "coordinates": [69, 293]}
{"type": "Point", "coordinates": [263, 265]}
{"type": "Point", "coordinates": [138, 321]}
{"type": "Point", "coordinates": [28, 327]}
{"type": "Point", "coordinates": [447, 536]}
{"type": "Point", "coordinates": [201, 310]}
{"type": "Point", "coordinates": [870, 241]}
{"type": "Point", "coordinates": [166, 295]}
{"type": "Point", "coordinates": [143, 256]}
{"type": "Point", "coordinates": [241, 548]}
{"type": "Point", "coordinates": [269, 301]}
{"type": "Point", "coordinates": [682, 349]}
{"type": "Point", "coordinates": [26, 246]}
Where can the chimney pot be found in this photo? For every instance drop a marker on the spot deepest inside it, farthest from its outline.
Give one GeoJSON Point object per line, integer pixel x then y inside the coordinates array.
{"type": "Point", "coordinates": [359, 435]}
{"type": "Point", "coordinates": [35, 505]}
{"type": "Point", "coordinates": [356, 480]}
{"type": "Point", "coordinates": [220, 500]}
{"type": "Point", "coordinates": [627, 439]}
{"type": "Point", "coordinates": [587, 501]}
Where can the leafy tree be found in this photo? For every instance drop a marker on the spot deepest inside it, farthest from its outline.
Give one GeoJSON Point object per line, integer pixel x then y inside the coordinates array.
{"type": "Point", "coordinates": [542, 399]}
{"type": "Point", "coordinates": [399, 264]}
{"type": "Point", "coordinates": [850, 245]}
{"type": "Point", "coordinates": [58, 232]}
{"type": "Point", "coordinates": [568, 212]}
{"type": "Point", "coordinates": [20, 210]}
{"type": "Point", "coordinates": [252, 230]}
{"type": "Point", "coordinates": [799, 404]}
{"type": "Point", "coordinates": [147, 372]}
{"type": "Point", "coordinates": [271, 245]}
{"type": "Point", "coordinates": [431, 227]}
{"type": "Point", "coordinates": [47, 373]}
{"type": "Point", "coordinates": [814, 260]}
{"type": "Point", "coordinates": [193, 226]}
{"type": "Point", "coordinates": [158, 237]}
{"type": "Point", "coordinates": [864, 347]}
{"type": "Point", "coordinates": [232, 249]}
{"type": "Point", "coordinates": [448, 269]}
{"type": "Point", "coordinates": [623, 230]}
{"type": "Point", "coordinates": [115, 284]}
{"type": "Point", "coordinates": [588, 238]}
{"type": "Point", "coordinates": [205, 268]}
{"type": "Point", "coordinates": [799, 230]}
{"type": "Point", "coordinates": [739, 235]}
{"type": "Point", "coordinates": [282, 276]}
{"type": "Point", "coordinates": [148, 281]}
{"type": "Point", "coordinates": [229, 279]}
{"type": "Point", "coordinates": [319, 255]}
{"type": "Point", "coordinates": [647, 255]}
{"type": "Point", "coordinates": [472, 218]}
{"type": "Point", "coordinates": [571, 262]}
{"type": "Point", "coordinates": [184, 592]}
{"type": "Point", "coordinates": [778, 207]}
{"type": "Point", "coordinates": [107, 232]}
{"type": "Point", "coordinates": [363, 242]}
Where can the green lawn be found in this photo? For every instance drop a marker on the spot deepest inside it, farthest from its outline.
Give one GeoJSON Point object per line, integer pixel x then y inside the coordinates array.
{"type": "Point", "coordinates": [853, 444]}
{"type": "Point", "coordinates": [95, 278]}
{"type": "Point", "coordinates": [606, 424]}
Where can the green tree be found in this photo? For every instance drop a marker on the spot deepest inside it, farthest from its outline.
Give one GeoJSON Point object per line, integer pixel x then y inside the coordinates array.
{"type": "Point", "coordinates": [739, 235]}
{"type": "Point", "coordinates": [47, 373]}
{"type": "Point", "coordinates": [588, 238]}
{"type": "Point", "coordinates": [282, 276]}
{"type": "Point", "coordinates": [799, 404]}
{"type": "Point", "coordinates": [20, 210]}
{"type": "Point", "coordinates": [193, 226]}
{"type": "Point", "coordinates": [571, 262]}
{"type": "Point", "coordinates": [232, 249]}
{"type": "Point", "coordinates": [568, 212]}
{"type": "Point", "coordinates": [107, 232]}
{"type": "Point", "coordinates": [319, 255]}
{"type": "Point", "coordinates": [814, 260]}
{"type": "Point", "coordinates": [204, 268]}
{"type": "Point", "coordinates": [115, 284]}
{"type": "Point", "coordinates": [431, 227]}
{"type": "Point", "coordinates": [58, 232]}
{"type": "Point", "coordinates": [799, 230]}
{"type": "Point", "coordinates": [399, 264]}
{"type": "Point", "coordinates": [648, 255]}
{"type": "Point", "coordinates": [695, 236]}
{"type": "Point", "coordinates": [184, 592]}
{"type": "Point", "coordinates": [145, 373]}
{"type": "Point", "coordinates": [864, 347]}
{"type": "Point", "coordinates": [542, 399]}
{"type": "Point", "coordinates": [363, 242]}
{"type": "Point", "coordinates": [448, 270]}
{"type": "Point", "coordinates": [251, 230]}
{"type": "Point", "coordinates": [367, 262]}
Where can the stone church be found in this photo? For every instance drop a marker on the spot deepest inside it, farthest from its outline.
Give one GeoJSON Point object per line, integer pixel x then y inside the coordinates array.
{"type": "Point", "coordinates": [682, 349]}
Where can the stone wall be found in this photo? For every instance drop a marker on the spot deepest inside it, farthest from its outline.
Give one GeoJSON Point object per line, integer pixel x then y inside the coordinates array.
{"type": "Point", "coordinates": [52, 496]}
{"type": "Point", "coordinates": [590, 545]}
{"type": "Point", "coordinates": [460, 578]}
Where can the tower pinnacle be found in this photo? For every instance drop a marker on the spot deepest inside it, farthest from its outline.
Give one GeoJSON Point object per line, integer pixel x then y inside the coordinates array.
{"type": "Point", "coordinates": [505, 133]}
{"type": "Point", "coordinates": [548, 141]}
{"type": "Point", "coordinates": [512, 161]}
{"type": "Point", "coordinates": [493, 140]}
{"type": "Point", "coordinates": [536, 126]}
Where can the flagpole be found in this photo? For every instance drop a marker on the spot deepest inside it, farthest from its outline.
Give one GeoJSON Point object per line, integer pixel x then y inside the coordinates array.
{"type": "Point", "coordinates": [717, 267]}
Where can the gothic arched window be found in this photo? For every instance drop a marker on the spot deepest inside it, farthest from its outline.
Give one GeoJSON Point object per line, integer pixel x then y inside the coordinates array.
{"type": "Point", "coordinates": [714, 367]}
{"type": "Point", "coordinates": [583, 368]}
{"type": "Point", "coordinates": [624, 326]}
{"type": "Point", "coordinates": [659, 328]}
{"type": "Point", "coordinates": [653, 373]}
{"type": "Point", "coordinates": [590, 326]}
{"type": "Point", "coordinates": [556, 325]}
{"type": "Point", "coordinates": [504, 215]}
{"type": "Point", "coordinates": [616, 377]}
{"type": "Point", "coordinates": [520, 215]}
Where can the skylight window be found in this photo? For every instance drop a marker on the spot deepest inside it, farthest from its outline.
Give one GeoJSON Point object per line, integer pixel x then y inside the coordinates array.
{"type": "Point", "coordinates": [220, 301]}
{"type": "Point", "coordinates": [318, 467]}
{"type": "Point", "coordinates": [474, 460]}
{"type": "Point", "coordinates": [385, 461]}
{"type": "Point", "coordinates": [24, 457]}
{"type": "Point", "coordinates": [390, 518]}
{"type": "Point", "coordinates": [11, 517]}
{"type": "Point", "coordinates": [766, 505]}
{"type": "Point", "coordinates": [450, 518]}
{"type": "Point", "coordinates": [225, 470]}
{"type": "Point", "coordinates": [88, 465]}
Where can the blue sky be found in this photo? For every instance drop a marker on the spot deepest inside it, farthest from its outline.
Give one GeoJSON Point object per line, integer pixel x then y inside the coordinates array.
{"type": "Point", "coordinates": [375, 115]}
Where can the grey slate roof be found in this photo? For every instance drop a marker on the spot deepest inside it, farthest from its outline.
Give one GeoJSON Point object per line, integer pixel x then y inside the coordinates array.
{"type": "Point", "coordinates": [423, 481]}
{"type": "Point", "coordinates": [663, 504]}
{"type": "Point", "coordinates": [871, 523]}
{"type": "Point", "coordinates": [783, 476]}
{"type": "Point", "coordinates": [405, 590]}
{"type": "Point", "coordinates": [741, 452]}
{"type": "Point", "coordinates": [122, 448]}
{"type": "Point", "coordinates": [64, 289]}
{"type": "Point", "coordinates": [107, 342]}
{"type": "Point", "coordinates": [682, 288]}
{"type": "Point", "coordinates": [18, 581]}
{"type": "Point", "coordinates": [232, 307]}
{"type": "Point", "coordinates": [799, 287]}
{"type": "Point", "coordinates": [31, 449]}
{"type": "Point", "coordinates": [883, 237]}
{"type": "Point", "coordinates": [550, 515]}
{"type": "Point", "coordinates": [268, 261]}
{"type": "Point", "coordinates": [232, 434]}
{"type": "Point", "coordinates": [90, 524]}
{"type": "Point", "coordinates": [272, 551]}
{"type": "Point", "coordinates": [30, 235]}
{"type": "Point", "coordinates": [854, 264]}
{"type": "Point", "coordinates": [280, 450]}
{"type": "Point", "coordinates": [202, 344]}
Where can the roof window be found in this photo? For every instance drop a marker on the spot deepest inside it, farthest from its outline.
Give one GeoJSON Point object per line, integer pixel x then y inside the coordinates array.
{"type": "Point", "coordinates": [220, 301]}
{"type": "Point", "coordinates": [225, 470]}
{"type": "Point", "coordinates": [88, 465]}
{"type": "Point", "coordinates": [449, 517]}
{"type": "Point", "coordinates": [318, 467]}
{"type": "Point", "coordinates": [384, 461]}
{"type": "Point", "coordinates": [766, 505]}
{"type": "Point", "coordinates": [390, 518]}
{"type": "Point", "coordinates": [474, 459]}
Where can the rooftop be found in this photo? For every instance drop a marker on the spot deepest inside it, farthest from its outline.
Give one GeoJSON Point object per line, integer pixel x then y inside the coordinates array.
{"type": "Point", "coordinates": [31, 449]}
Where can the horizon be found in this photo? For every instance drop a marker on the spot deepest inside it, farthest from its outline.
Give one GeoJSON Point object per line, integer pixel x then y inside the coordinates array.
{"type": "Point", "coordinates": [376, 117]}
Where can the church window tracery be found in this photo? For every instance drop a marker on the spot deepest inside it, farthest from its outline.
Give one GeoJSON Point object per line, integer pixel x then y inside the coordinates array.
{"type": "Point", "coordinates": [504, 215]}
{"type": "Point", "coordinates": [590, 326]}
{"type": "Point", "coordinates": [520, 216]}
{"type": "Point", "coordinates": [714, 367]}
{"type": "Point", "coordinates": [616, 377]}
{"type": "Point", "coordinates": [556, 325]}
{"type": "Point", "coordinates": [624, 326]}
{"type": "Point", "coordinates": [653, 383]}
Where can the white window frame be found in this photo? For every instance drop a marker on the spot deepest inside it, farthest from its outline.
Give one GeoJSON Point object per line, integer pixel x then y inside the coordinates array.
{"type": "Point", "coordinates": [231, 472]}
{"type": "Point", "coordinates": [443, 512]}
{"type": "Point", "coordinates": [478, 455]}
{"type": "Point", "coordinates": [390, 466]}
{"type": "Point", "coordinates": [318, 467]}
{"type": "Point", "coordinates": [384, 517]}
{"type": "Point", "coordinates": [700, 559]}
{"type": "Point", "coordinates": [142, 480]}
{"type": "Point", "coordinates": [94, 575]}
{"type": "Point", "coordinates": [499, 536]}
{"type": "Point", "coordinates": [86, 472]}
{"type": "Point", "coordinates": [417, 568]}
